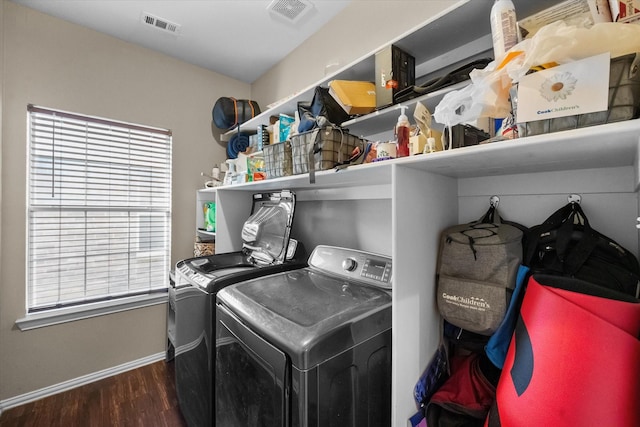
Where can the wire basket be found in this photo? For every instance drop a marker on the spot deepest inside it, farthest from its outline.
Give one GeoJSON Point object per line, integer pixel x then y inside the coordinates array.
{"type": "Point", "coordinates": [624, 101]}
{"type": "Point", "coordinates": [329, 147]}
{"type": "Point", "coordinates": [277, 160]}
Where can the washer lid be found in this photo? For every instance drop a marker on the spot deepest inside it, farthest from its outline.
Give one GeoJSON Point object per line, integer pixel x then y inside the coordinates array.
{"type": "Point", "coordinates": [214, 272]}
{"type": "Point", "coordinates": [265, 234]}
{"type": "Point", "coordinates": [308, 314]}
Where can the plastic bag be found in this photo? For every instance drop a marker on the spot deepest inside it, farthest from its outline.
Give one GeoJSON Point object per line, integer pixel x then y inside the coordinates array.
{"type": "Point", "coordinates": [488, 93]}
{"type": "Point", "coordinates": [562, 43]}
{"type": "Point", "coordinates": [486, 96]}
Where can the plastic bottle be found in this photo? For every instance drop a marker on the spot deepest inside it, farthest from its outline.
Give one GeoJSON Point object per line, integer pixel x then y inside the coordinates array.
{"type": "Point", "coordinates": [402, 134]}
{"type": "Point", "coordinates": [504, 27]}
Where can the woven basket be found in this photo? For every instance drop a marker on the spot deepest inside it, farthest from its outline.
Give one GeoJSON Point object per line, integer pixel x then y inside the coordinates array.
{"type": "Point", "coordinates": [204, 249]}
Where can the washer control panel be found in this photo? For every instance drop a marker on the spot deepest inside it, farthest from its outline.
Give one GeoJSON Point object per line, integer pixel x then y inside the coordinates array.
{"type": "Point", "coordinates": [370, 268]}
{"type": "Point", "coordinates": [191, 275]}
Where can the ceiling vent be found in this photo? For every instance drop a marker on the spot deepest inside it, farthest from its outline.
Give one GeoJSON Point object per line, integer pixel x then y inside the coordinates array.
{"type": "Point", "coordinates": [160, 23]}
{"type": "Point", "coordinates": [291, 10]}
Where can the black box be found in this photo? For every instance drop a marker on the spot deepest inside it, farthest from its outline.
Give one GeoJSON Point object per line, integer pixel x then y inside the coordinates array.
{"type": "Point", "coordinates": [395, 71]}
{"type": "Point", "coordinates": [465, 135]}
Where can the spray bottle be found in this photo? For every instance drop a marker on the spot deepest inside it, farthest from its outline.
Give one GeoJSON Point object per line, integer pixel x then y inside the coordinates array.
{"type": "Point", "coordinates": [402, 133]}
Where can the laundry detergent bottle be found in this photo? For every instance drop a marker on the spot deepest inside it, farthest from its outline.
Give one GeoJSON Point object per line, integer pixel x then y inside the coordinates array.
{"type": "Point", "coordinates": [402, 133]}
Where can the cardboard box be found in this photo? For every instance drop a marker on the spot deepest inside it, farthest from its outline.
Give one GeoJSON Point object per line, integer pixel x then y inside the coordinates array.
{"type": "Point", "coordinates": [593, 10]}
{"type": "Point", "coordinates": [417, 143]}
{"type": "Point", "coordinates": [354, 97]}
{"type": "Point", "coordinates": [625, 10]}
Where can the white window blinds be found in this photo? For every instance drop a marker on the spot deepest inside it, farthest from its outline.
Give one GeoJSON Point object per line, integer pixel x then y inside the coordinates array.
{"type": "Point", "coordinates": [99, 207]}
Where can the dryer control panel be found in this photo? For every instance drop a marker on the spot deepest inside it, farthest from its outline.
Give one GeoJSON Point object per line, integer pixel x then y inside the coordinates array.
{"type": "Point", "coordinates": [366, 267]}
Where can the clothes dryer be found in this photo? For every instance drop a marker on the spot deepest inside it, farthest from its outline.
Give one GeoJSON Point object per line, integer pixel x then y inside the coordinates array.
{"type": "Point", "coordinates": [267, 249]}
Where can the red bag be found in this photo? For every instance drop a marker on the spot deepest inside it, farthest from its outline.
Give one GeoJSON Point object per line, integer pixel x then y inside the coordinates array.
{"type": "Point", "coordinates": [466, 396]}
{"type": "Point", "coordinates": [574, 359]}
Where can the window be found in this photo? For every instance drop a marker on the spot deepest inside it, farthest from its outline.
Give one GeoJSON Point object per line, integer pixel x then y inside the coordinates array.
{"type": "Point", "coordinates": [99, 207]}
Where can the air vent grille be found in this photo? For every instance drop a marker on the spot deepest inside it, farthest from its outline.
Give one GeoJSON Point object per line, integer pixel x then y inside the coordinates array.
{"type": "Point", "coordinates": [160, 23]}
{"type": "Point", "coordinates": [291, 10]}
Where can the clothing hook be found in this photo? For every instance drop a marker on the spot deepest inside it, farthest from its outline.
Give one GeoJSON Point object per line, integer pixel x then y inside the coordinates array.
{"type": "Point", "coordinates": [574, 198]}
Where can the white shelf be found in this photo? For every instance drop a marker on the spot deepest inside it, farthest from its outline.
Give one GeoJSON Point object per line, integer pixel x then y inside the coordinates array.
{"type": "Point", "coordinates": [610, 145]}
{"type": "Point", "coordinates": [206, 235]}
{"type": "Point", "coordinates": [355, 176]}
{"type": "Point", "coordinates": [361, 69]}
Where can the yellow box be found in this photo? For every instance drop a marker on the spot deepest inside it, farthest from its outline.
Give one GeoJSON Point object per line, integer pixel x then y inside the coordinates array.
{"type": "Point", "coordinates": [355, 97]}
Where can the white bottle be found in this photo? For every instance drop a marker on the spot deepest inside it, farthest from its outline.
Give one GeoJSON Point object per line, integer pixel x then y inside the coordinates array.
{"type": "Point", "coordinates": [504, 27]}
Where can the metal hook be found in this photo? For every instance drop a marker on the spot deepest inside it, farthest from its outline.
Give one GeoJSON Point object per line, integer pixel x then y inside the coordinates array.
{"type": "Point", "coordinates": [574, 198]}
{"type": "Point", "coordinates": [494, 201]}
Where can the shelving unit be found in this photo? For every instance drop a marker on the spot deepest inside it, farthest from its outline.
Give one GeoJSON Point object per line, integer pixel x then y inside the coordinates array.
{"type": "Point", "coordinates": [399, 207]}
{"type": "Point", "coordinates": [203, 196]}
{"type": "Point", "coordinates": [422, 195]}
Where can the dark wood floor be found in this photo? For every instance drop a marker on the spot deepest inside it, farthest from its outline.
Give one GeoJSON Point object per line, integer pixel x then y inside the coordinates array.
{"type": "Point", "coordinates": [143, 397]}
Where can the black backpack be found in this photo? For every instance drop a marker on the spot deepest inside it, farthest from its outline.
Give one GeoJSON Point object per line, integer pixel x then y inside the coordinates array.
{"type": "Point", "coordinates": [322, 105]}
{"type": "Point", "coordinates": [565, 244]}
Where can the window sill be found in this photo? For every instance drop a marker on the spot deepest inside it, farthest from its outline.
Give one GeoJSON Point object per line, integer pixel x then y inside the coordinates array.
{"type": "Point", "coordinates": [71, 314]}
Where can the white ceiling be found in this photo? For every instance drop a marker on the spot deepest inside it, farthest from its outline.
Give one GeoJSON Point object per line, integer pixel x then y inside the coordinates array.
{"type": "Point", "coordinates": [239, 38]}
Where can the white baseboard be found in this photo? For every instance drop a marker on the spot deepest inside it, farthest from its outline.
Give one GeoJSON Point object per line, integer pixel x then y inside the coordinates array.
{"type": "Point", "coordinates": [77, 382]}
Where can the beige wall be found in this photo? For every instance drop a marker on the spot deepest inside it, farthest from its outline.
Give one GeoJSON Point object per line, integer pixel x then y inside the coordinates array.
{"type": "Point", "coordinates": [56, 64]}
{"type": "Point", "coordinates": [361, 28]}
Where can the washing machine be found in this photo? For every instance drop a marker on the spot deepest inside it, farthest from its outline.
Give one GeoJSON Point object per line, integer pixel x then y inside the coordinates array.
{"type": "Point", "coordinates": [309, 347]}
{"type": "Point", "coordinates": [267, 249]}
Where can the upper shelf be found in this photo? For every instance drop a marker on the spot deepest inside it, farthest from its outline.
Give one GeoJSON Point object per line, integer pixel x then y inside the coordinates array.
{"type": "Point", "coordinates": [384, 120]}
{"type": "Point", "coordinates": [436, 44]}
{"type": "Point", "coordinates": [610, 145]}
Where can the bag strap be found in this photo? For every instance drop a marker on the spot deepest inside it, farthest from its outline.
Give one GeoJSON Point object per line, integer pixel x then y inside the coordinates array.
{"type": "Point", "coordinates": [564, 222]}
{"type": "Point", "coordinates": [235, 110]}
{"type": "Point", "coordinates": [311, 162]}
{"type": "Point", "coordinates": [491, 216]}
{"type": "Point", "coordinates": [553, 222]}
{"type": "Point", "coordinates": [588, 242]}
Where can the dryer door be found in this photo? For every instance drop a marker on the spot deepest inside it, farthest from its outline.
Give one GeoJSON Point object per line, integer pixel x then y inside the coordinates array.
{"type": "Point", "coordinates": [252, 377]}
{"type": "Point", "coordinates": [193, 351]}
